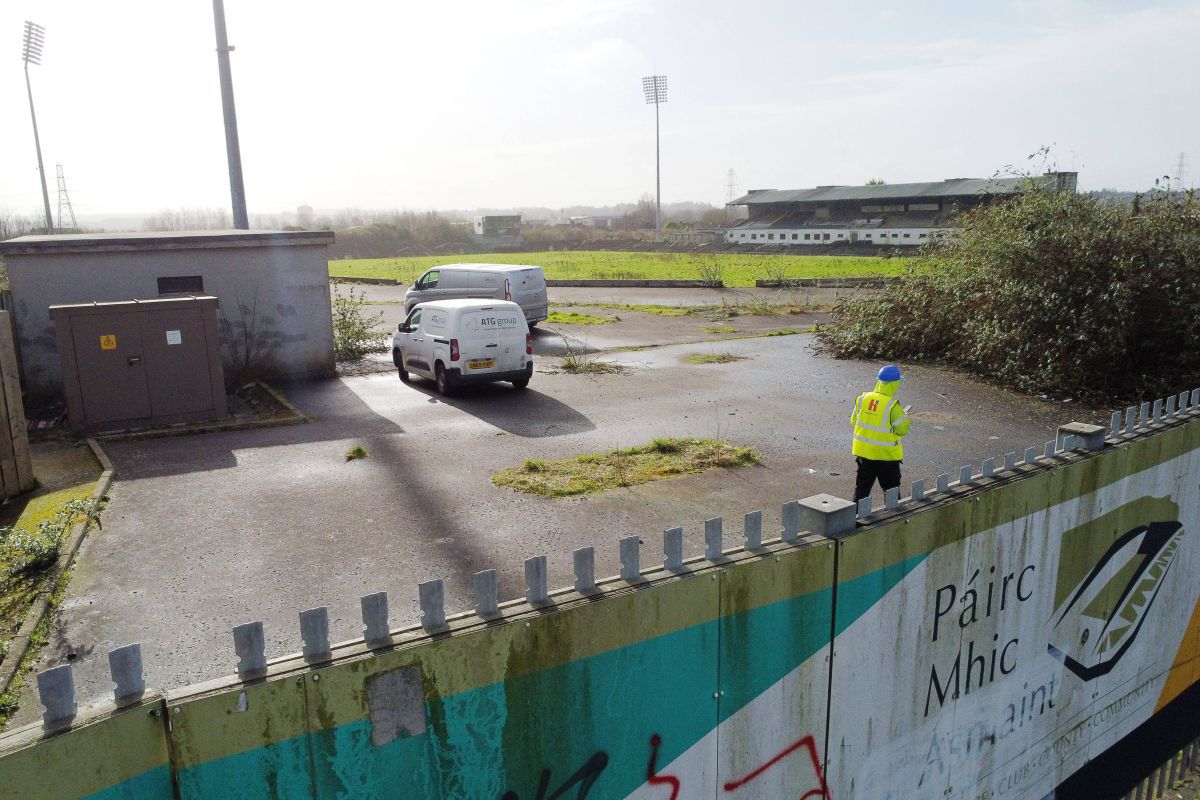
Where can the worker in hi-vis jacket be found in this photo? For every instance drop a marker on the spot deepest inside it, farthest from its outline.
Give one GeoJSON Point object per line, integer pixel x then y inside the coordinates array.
{"type": "Point", "coordinates": [880, 422]}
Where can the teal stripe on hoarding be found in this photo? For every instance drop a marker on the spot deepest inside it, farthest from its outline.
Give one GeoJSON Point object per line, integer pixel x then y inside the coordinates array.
{"type": "Point", "coordinates": [594, 721]}
{"type": "Point", "coordinates": [855, 597]}
{"type": "Point", "coordinates": [150, 785]}
{"type": "Point", "coordinates": [761, 646]}
{"type": "Point", "coordinates": [591, 720]}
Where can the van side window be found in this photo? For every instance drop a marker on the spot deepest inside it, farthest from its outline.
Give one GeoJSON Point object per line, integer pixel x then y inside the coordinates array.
{"type": "Point", "coordinates": [430, 279]}
{"type": "Point", "coordinates": [414, 319]}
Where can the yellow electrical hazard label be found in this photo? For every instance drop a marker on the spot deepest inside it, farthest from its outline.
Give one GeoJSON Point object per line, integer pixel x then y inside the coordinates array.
{"type": "Point", "coordinates": [108, 342]}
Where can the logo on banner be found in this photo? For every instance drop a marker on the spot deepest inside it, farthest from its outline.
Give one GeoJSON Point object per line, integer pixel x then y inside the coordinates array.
{"type": "Point", "coordinates": [1101, 618]}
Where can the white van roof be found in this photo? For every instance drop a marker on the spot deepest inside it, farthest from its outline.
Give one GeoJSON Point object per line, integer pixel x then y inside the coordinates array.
{"type": "Point", "coordinates": [470, 304]}
{"type": "Point", "coordinates": [488, 267]}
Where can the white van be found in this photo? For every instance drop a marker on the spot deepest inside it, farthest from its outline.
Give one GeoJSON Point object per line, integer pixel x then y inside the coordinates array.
{"type": "Point", "coordinates": [522, 284]}
{"type": "Point", "coordinates": [463, 341]}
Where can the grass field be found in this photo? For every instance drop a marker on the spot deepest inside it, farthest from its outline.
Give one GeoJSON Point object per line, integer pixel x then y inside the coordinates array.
{"type": "Point", "coordinates": [734, 269]}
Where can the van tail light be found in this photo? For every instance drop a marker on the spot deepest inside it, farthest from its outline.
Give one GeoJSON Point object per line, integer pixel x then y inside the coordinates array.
{"type": "Point", "coordinates": [454, 349]}
{"type": "Point", "coordinates": [529, 344]}
{"type": "Point", "coordinates": [507, 290]}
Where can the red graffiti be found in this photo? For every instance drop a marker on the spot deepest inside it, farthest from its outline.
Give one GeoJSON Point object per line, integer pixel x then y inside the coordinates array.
{"type": "Point", "coordinates": [808, 743]}
{"type": "Point", "coordinates": [651, 769]}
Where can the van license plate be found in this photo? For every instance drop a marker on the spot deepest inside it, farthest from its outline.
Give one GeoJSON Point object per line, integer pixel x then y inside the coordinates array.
{"type": "Point", "coordinates": [481, 363]}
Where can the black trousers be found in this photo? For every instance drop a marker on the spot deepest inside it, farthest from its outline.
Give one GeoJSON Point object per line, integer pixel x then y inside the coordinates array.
{"type": "Point", "coordinates": [870, 470]}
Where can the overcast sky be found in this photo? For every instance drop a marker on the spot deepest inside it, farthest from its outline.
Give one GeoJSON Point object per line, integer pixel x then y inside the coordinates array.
{"type": "Point", "coordinates": [371, 104]}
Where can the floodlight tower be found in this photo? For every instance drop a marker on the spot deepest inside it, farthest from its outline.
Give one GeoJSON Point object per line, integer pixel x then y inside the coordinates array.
{"type": "Point", "coordinates": [31, 53]}
{"type": "Point", "coordinates": [655, 87]}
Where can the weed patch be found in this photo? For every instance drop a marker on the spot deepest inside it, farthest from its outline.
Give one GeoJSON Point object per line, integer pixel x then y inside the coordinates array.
{"type": "Point", "coordinates": [719, 329]}
{"type": "Point", "coordinates": [579, 365]}
{"type": "Point", "coordinates": [596, 472]}
{"type": "Point", "coordinates": [576, 318]}
{"type": "Point", "coordinates": [712, 358]}
{"type": "Point", "coordinates": [356, 452]}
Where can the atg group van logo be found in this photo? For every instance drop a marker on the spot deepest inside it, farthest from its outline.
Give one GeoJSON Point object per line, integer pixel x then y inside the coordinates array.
{"type": "Point", "coordinates": [1103, 601]}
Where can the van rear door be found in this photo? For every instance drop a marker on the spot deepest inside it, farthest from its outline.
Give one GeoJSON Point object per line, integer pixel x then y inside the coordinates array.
{"type": "Point", "coordinates": [528, 288]}
{"type": "Point", "coordinates": [512, 330]}
{"type": "Point", "coordinates": [480, 340]}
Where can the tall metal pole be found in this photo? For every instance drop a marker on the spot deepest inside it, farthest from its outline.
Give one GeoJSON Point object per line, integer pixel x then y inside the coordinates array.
{"type": "Point", "coordinates": [32, 51]}
{"type": "Point", "coordinates": [657, 180]}
{"type": "Point", "coordinates": [655, 89]}
{"type": "Point", "coordinates": [37, 143]}
{"type": "Point", "coordinates": [237, 189]}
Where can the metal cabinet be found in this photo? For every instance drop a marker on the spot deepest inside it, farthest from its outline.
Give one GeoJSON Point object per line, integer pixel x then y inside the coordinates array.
{"type": "Point", "coordinates": [141, 362]}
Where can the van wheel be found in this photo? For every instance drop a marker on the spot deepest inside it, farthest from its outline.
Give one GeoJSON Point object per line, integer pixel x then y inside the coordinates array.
{"type": "Point", "coordinates": [398, 361]}
{"type": "Point", "coordinates": [443, 381]}
{"type": "Point", "coordinates": [521, 383]}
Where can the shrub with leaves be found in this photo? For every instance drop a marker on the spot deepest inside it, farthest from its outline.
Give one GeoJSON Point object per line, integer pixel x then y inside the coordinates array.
{"type": "Point", "coordinates": [354, 333]}
{"type": "Point", "coordinates": [1047, 292]}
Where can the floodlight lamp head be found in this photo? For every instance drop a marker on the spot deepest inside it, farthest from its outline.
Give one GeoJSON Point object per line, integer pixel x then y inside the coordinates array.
{"type": "Point", "coordinates": [655, 88]}
{"type": "Point", "coordinates": [35, 38]}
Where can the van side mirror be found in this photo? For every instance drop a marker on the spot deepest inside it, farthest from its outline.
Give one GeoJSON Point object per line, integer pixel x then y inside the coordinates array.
{"type": "Point", "coordinates": [402, 328]}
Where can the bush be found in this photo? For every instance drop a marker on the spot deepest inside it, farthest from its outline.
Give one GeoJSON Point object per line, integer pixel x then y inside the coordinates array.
{"type": "Point", "coordinates": [1047, 292]}
{"type": "Point", "coordinates": [354, 333]}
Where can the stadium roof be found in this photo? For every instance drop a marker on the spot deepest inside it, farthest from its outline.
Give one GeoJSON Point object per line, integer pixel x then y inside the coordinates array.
{"type": "Point", "coordinates": [954, 187]}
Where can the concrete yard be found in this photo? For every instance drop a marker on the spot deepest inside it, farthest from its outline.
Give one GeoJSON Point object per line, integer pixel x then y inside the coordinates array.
{"type": "Point", "coordinates": [206, 532]}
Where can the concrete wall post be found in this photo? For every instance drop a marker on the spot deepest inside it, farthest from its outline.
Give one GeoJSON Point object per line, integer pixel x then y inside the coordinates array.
{"type": "Point", "coordinates": [631, 558]}
{"type": "Point", "coordinates": [251, 648]}
{"type": "Point", "coordinates": [585, 569]}
{"type": "Point", "coordinates": [487, 592]}
{"type": "Point", "coordinates": [536, 588]}
{"type": "Point", "coordinates": [752, 528]}
{"type": "Point", "coordinates": [713, 536]}
{"type": "Point", "coordinates": [791, 521]}
{"type": "Point", "coordinates": [314, 633]}
{"type": "Point", "coordinates": [432, 597]}
{"type": "Point", "coordinates": [56, 690]}
{"type": "Point", "coordinates": [376, 629]}
{"type": "Point", "coordinates": [125, 667]}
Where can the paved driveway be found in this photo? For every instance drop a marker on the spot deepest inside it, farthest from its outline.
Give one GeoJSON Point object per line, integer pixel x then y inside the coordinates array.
{"type": "Point", "coordinates": [206, 532]}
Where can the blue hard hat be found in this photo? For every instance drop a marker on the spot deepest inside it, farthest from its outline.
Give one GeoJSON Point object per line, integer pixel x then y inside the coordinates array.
{"type": "Point", "coordinates": [890, 373]}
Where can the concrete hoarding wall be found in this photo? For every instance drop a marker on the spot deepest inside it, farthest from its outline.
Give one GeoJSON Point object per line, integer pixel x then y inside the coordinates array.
{"type": "Point", "coordinates": [1033, 627]}
{"type": "Point", "coordinates": [719, 682]}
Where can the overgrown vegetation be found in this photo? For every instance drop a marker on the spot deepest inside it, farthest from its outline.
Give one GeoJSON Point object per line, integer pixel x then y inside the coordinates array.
{"type": "Point", "coordinates": [354, 330]}
{"type": "Point", "coordinates": [596, 472]}
{"type": "Point", "coordinates": [27, 552]}
{"type": "Point", "coordinates": [576, 318]}
{"type": "Point", "coordinates": [356, 452]}
{"type": "Point", "coordinates": [580, 364]}
{"type": "Point", "coordinates": [712, 358]}
{"type": "Point", "coordinates": [735, 269]}
{"type": "Point", "coordinates": [1049, 292]}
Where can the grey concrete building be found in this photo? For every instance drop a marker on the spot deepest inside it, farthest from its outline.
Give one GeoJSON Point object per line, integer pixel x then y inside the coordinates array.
{"type": "Point", "coordinates": [273, 289]}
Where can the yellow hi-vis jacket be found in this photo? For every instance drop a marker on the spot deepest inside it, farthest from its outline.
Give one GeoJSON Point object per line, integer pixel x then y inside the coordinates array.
{"type": "Point", "coordinates": [879, 423]}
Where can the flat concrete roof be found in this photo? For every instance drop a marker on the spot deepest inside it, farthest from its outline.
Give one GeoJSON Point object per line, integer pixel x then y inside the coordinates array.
{"type": "Point", "coordinates": [159, 240]}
